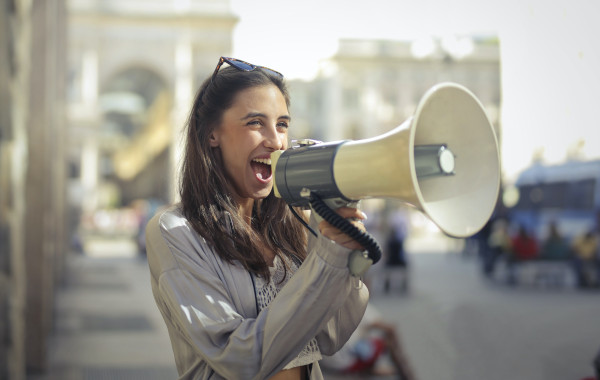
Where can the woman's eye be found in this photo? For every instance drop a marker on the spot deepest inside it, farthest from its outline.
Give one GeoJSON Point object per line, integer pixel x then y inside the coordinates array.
{"type": "Point", "coordinates": [282, 125]}
{"type": "Point", "coordinates": [254, 123]}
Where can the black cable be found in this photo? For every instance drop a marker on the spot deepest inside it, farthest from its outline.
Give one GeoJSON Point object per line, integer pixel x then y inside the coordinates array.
{"type": "Point", "coordinates": [362, 237]}
{"type": "Point", "coordinates": [302, 220]}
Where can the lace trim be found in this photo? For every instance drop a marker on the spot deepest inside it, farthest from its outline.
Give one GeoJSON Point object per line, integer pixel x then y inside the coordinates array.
{"type": "Point", "coordinates": [267, 291]}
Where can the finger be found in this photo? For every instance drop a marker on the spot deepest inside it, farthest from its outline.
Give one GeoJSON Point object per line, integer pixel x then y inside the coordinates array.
{"type": "Point", "coordinates": [339, 237]}
{"type": "Point", "coordinates": [346, 241]}
{"type": "Point", "coordinates": [327, 228]}
{"type": "Point", "coordinates": [351, 213]}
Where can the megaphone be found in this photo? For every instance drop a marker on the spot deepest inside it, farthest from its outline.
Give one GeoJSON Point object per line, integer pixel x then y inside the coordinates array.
{"type": "Point", "coordinates": [444, 161]}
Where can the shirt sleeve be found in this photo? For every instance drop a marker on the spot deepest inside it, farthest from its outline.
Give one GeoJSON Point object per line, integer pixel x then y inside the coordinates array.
{"type": "Point", "coordinates": [337, 330]}
{"type": "Point", "coordinates": [322, 299]}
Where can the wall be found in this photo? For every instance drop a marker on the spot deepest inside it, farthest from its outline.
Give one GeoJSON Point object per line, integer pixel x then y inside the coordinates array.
{"type": "Point", "coordinates": [32, 220]}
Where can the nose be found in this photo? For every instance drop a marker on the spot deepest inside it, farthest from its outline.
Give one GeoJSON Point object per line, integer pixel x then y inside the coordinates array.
{"type": "Point", "coordinates": [274, 139]}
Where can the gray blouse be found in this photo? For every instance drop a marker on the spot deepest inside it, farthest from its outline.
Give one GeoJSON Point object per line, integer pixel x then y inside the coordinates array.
{"type": "Point", "coordinates": [266, 291]}
{"type": "Point", "coordinates": [210, 308]}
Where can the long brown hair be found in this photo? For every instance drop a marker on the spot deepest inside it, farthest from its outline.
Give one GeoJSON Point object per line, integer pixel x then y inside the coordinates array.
{"type": "Point", "coordinates": [205, 198]}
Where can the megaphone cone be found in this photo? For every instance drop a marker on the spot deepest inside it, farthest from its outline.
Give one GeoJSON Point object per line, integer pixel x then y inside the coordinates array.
{"type": "Point", "coordinates": [444, 161]}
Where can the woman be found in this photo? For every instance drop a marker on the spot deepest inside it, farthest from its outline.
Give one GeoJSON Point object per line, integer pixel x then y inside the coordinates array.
{"type": "Point", "coordinates": [219, 258]}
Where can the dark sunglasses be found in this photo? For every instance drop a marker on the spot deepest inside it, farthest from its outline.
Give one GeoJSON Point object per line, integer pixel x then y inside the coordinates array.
{"type": "Point", "coordinates": [243, 66]}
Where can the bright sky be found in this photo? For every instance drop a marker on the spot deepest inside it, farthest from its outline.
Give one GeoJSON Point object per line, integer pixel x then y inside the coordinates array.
{"type": "Point", "coordinates": [549, 49]}
{"type": "Point", "coordinates": [292, 36]}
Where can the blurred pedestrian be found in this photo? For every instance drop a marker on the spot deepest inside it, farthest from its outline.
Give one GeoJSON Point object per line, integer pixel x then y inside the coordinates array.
{"type": "Point", "coordinates": [596, 365]}
{"type": "Point", "coordinates": [499, 245]}
{"type": "Point", "coordinates": [523, 247]}
{"type": "Point", "coordinates": [555, 246]}
{"type": "Point", "coordinates": [364, 352]}
{"type": "Point", "coordinates": [396, 261]}
{"type": "Point", "coordinates": [585, 258]}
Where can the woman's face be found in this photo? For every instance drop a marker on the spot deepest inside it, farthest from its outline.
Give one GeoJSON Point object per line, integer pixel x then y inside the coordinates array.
{"type": "Point", "coordinates": [251, 129]}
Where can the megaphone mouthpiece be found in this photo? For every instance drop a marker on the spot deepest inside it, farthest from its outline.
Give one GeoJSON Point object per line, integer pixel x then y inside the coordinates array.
{"type": "Point", "coordinates": [433, 160]}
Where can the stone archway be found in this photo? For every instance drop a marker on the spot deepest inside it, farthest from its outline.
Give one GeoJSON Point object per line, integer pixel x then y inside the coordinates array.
{"type": "Point", "coordinates": [127, 96]}
{"type": "Point", "coordinates": [135, 106]}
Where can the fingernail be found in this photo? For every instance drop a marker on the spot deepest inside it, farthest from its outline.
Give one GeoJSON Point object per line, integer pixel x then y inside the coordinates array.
{"type": "Point", "coordinates": [363, 215]}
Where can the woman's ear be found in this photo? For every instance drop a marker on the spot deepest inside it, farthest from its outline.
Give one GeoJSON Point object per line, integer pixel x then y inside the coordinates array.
{"type": "Point", "coordinates": [214, 141]}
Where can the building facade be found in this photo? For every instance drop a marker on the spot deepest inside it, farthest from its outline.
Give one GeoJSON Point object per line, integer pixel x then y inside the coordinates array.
{"type": "Point", "coordinates": [32, 178]}
{"type": "Point", "coordinates": [93, 94]}
{"type": "Point", "coordinates": [133, 69]}
{"type": "Point", "coordinates": [371, 86]}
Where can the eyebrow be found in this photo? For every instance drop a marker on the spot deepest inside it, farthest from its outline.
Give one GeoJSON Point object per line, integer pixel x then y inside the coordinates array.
{"type": "Point", "coordinates": [259, 114]}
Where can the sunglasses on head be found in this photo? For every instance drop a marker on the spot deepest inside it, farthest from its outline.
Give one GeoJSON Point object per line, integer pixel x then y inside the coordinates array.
{"type": "Point", "coordinates": [243, 66]}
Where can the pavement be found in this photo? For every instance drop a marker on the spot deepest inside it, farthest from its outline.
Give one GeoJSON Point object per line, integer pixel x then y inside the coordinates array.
{"type": "Point", "coordinates": [453, 323]}
{"type": "Point", "coordinates": [107, 325]}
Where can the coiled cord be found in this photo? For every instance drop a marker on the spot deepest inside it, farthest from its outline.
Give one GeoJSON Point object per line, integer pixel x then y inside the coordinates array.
{"type": "Point", "coordinates": [362, 237]}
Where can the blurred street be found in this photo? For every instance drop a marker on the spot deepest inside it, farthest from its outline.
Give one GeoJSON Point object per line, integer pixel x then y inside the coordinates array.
{"type": "Point", "coordinates": [457, 325]}
{"type": "Point", "coordinates": [107, 325]}
{"type": "Point", "coordinates": [453, 323]}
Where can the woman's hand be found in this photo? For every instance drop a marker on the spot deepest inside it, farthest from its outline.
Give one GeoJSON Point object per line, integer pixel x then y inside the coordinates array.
{"type": "Point", "coordinates": [338, 236]}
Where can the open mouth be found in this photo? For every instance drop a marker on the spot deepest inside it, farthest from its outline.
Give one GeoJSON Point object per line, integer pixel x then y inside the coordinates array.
{"type": "Point", "coordinates": [261, 168]}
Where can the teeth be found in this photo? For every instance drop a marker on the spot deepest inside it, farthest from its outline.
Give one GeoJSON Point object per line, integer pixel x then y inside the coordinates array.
{"type": "Point", "coordinates": [266, 161]}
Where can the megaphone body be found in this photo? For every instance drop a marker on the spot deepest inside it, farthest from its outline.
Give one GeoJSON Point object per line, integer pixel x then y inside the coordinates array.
{"type": "Point", "coordinates": [444, 161]}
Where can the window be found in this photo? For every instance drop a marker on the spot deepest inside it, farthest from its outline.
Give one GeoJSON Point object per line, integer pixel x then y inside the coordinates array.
{"type": "Point", "coordinates": [578, 195]}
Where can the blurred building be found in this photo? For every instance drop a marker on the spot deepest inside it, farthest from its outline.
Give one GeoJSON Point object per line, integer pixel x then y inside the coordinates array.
{"type": "Point", "coordinates": [371, 86]}
{"type": "Point", "coordinates": [133, 69]}
{"type": "Point", "coordinates": [92, 96]}
{"type": "Point", "coordinates": [32, 178]}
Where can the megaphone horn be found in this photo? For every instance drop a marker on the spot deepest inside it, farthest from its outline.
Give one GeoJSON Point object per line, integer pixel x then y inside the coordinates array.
{"type": "Point", "coordinates": [444, 161]}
